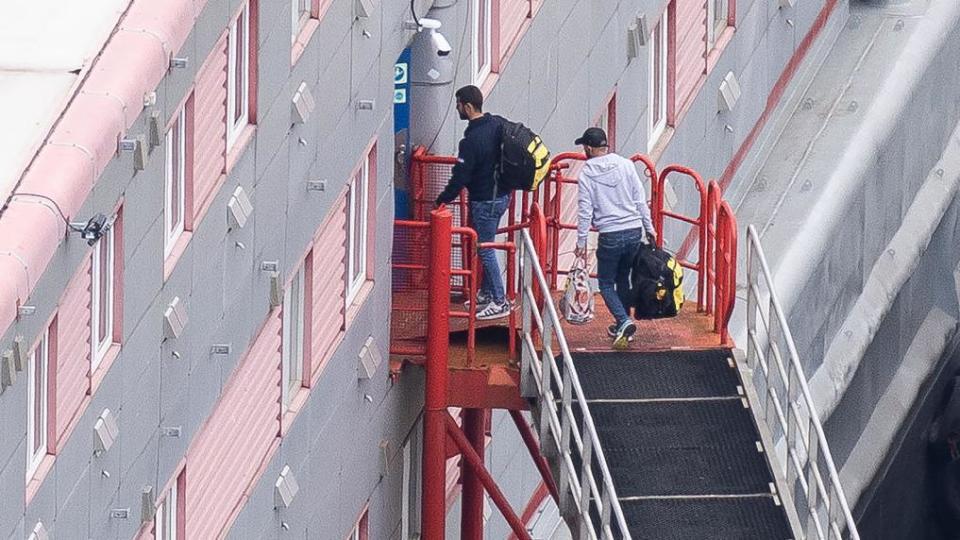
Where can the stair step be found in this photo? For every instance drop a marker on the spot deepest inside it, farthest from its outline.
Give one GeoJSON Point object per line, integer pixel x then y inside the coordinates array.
{"type": "Point", "coordinates": [674, 374]}
{"type": "Point", "coordinates": [727, 518]}
{"type": "Point", "coordinates": [681, 448]}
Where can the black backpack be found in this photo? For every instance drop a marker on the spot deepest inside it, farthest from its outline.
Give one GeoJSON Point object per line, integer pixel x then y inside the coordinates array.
{"type": "Point", "coordinates": [524, 159]}
{"type": "Point", "coordinates": [655, 283]}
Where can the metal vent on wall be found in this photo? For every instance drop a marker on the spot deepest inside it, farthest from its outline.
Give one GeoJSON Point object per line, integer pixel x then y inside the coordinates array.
{"type": "Point", "coordinates": [285, 489]}
{"type": "Point", "coordinates": [174, 319]}
{"type": "Point", "coordinates": [729, 92]}
{"type": "Point", "coordinates": [105, 432]}
{"type": "Point", "coordinates": [39, 532]}
{"type": "Point", "coordinates": [8, 372]}
{"type": "Point", "coordinates": [239, 209]}
{"type": "Point", "coordinates": [303, 104]}
{"type": "Point", "coordinates": [370, 359]}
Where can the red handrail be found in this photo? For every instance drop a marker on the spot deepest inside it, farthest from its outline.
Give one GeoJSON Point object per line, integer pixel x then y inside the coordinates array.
{"type": "Point", "coordinates": [541, 212]}
{"type": "Point", "coordinates": [726, 269]}
{"type": "Point", "coordinates": [699, 222]}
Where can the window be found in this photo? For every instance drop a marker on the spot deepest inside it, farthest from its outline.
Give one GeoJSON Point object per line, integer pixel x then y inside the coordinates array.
{"type": "Point", "coordinates": [238, 75]}
{"type": "Point", "coordinates": [292, 346]}
{"type": "Point", "coordinates": [174, 206]}
{"type": "Point", "coordinates": [607, 121]}
{"type": "Point", "coordinates": [357, 200]}
{"type": "Point", "coordinates": [167, 522]}
{"type": "Point", "coordinates": [102, 296]}
{"type": "Point", "coordinates": [37, 393]}
{"type": "Point", "coordinates": [299, 15]}
{"type": "Point", "coordinates": [718, 12]}
{"type": "Point", "coordinates": [482, 39]}
{"type": "Point", "coordinates": [658, 81]}
{"type": "Point", "coordinates": [361, 529]}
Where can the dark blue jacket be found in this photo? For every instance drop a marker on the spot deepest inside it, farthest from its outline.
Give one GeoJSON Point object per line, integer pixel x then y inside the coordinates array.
{"type": "Point", "coordinates": [477, 160]}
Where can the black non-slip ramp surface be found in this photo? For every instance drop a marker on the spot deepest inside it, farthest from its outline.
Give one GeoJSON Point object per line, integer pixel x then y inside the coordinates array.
{"type": "Point", "coordinates": [681, 448]}
{"type": "Point", "coordinates": [674, 374]}
{"type": "Point", "coordinates": [741, 518]}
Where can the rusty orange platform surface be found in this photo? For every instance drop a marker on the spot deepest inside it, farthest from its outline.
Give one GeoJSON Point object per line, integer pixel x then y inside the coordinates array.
{"type": "Point", "coordinates": [690, 329]}
{"type": "Point", "coordinates": [491, 379]}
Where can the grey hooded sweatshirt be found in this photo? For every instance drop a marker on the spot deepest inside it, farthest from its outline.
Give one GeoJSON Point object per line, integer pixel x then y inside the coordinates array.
{"type": "Point", "coordinates": [611, 197]}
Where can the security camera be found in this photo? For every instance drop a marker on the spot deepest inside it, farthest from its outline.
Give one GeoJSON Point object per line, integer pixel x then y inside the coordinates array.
{"type": "Point", "coordinates": [94, 229]}
{"type": "Point", "coordinates": [438, 41]}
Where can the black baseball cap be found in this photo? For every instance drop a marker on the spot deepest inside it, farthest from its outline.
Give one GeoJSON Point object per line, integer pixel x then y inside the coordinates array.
{"type": "Point", "coordinates": [593, 137]}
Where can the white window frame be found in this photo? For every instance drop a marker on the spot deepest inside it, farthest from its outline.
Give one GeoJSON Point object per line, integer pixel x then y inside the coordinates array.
{"type": "Point", "coordinates": [292, 352]}
{"type": "Point", "coordinates": [166, 519]}
{"type": "Point", "coordinates": [658, 127]}
{"type": "Point", "coordinates": [364, 522]}
{"type": "Point", "coordinates": [39, 367]}
{"type": "Point", "coordinates": [235, 125]}
{"type": "Point", "coordinates": [718, 12]}
{"type": "Point", "coordinates": [411, 484]}
{"type": "Point", "coordinates": [102, 298]}
{"type": "Point", "coordinates": [172, 230]}
{"type": "Point", "coordinates": [357, 201]}
{"type": "Point", "coordinates": [299, 15]}
{"type": "Point", "coordinates": [481, 71]}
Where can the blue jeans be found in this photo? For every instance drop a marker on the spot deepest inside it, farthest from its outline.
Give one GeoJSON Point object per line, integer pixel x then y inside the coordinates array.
{"type": "Point", "coordinates": [615, 251]}
{"type": "Point", "coordinates": [485, 218]}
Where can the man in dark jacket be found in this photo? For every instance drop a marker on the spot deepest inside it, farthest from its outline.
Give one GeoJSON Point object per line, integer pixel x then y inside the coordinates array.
{"type": "Point", "coordinates": [475, 170]}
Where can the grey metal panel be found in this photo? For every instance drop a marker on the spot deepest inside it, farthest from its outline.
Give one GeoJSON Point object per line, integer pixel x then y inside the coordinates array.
{"type": "Point", "coordinates": [12, 486]}
{"type": "Point", "coordinates": [273, 100]}
{"type": "Point", "coordinates": [139, 413]}
{"type": "Point", "coordinates": [209, 26]}
{"type": "Point", "coordinates": [73, 512]}
{"type": "Point", "coordinates": [13, 419]}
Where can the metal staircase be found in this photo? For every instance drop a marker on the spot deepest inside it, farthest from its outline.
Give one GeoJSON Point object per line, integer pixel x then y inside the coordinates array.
{"type": "Point", "coordinates": [653, 445]}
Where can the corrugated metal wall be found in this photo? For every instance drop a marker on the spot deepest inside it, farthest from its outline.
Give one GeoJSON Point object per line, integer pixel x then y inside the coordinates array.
{"type": "Point", "coordinates": [210, 124]}
{"type": "Point", "coordinates": [232, 445]}
{"type": "Point", "coordinates": [73, 347]}
{"type": "Point", "coordinates": [691, 47]}
{"type": "Point", "coordinates": [329, 282]}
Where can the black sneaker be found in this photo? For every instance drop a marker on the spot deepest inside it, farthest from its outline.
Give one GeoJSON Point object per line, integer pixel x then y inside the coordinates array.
{"type": "Point", "coordinates": [612, 332]}
{"type": "Point", "coordinates": [494, 310]}
{"type": "Point", "coordinates": [624, 334]}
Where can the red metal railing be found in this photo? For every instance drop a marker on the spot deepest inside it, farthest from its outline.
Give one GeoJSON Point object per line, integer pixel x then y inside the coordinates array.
{"type": "Point", "coordinates": [713, 230]}
{"type": "Point", "coordinates": [412, 266]}
{"type": "Point", "coordinates": [698, 222]}
{"type": "Point", "coordinates": [560, 214]}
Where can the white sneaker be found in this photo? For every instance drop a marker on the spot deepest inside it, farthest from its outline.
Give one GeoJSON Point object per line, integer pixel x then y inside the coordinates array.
{"type": "Point", "coordinates": [494, 310]}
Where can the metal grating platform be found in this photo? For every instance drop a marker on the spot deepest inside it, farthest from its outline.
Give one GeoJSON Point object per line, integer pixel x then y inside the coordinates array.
{"type": "Point", "coordinates": [688, 374]}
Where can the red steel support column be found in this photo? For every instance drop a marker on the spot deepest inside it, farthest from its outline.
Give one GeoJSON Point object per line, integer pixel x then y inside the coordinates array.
{"type": "Point", "coordinates": [489, 484]}
{"type": "Point", "coordinates": [433, 511]}
{"type": "Point", "coordinates": [471, 517]}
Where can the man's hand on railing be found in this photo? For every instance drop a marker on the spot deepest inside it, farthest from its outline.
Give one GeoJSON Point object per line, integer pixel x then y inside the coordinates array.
{"type": "Point", "coordinates": [580, 252]}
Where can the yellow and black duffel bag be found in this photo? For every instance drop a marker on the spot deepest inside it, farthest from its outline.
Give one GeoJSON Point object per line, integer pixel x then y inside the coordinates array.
{"type": "Point", "coordinates": [656, 283]}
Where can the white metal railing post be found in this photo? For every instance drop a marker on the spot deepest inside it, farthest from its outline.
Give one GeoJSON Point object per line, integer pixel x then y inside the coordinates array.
{"type": "Point", "coordinates": [770, 346]}
{"type": "Point", "coordinates": [528, 386]}
{"type": "Point", "coordinates": [565, 426]}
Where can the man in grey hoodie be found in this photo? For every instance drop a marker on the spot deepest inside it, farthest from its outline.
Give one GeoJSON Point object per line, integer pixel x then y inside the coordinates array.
{"type": "Point", "coordinates": [612, 198]}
